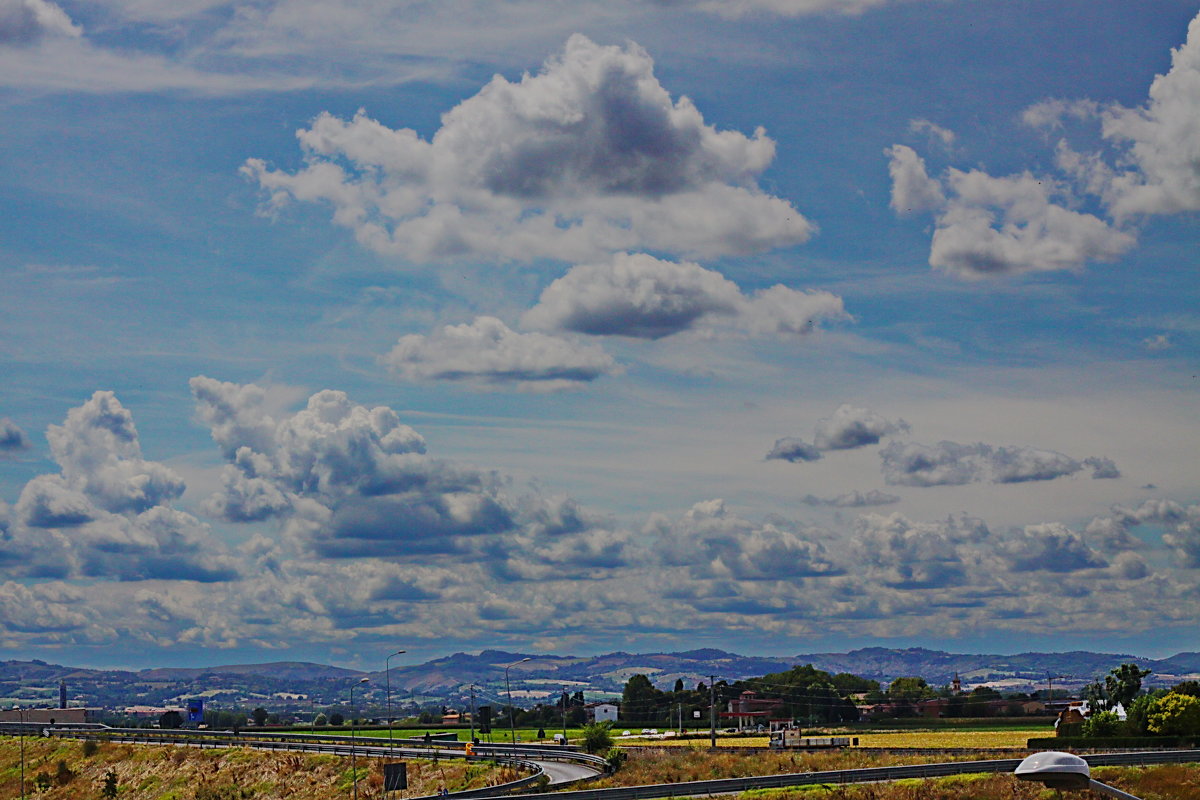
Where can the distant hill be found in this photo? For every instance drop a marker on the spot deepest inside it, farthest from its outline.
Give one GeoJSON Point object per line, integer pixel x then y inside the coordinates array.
{"type": "Point", "coordinates": [283, 670]}
{"type": "Point", "coordinates": [302, 686]}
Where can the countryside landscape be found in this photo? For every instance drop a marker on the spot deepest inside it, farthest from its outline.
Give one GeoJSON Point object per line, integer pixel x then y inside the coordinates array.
{"type": "Point", "coordinates": [608, 399]}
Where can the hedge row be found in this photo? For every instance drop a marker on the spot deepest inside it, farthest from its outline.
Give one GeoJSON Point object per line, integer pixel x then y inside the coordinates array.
{"type": "Point", "coordinates": [1111, 742]}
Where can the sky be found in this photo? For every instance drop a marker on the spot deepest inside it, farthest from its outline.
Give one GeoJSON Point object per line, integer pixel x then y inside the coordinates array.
{"type": "Point", "coordinates": [329, 329]}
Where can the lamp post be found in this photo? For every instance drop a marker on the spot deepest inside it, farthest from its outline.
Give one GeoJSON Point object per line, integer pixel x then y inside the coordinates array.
{"type": "Point", "coordinates": [353, 732]}
{"type": "Point", "coordinates": [472, 712]}
{"type": "Point", "coordinates": [1065, 771]}
{"type": "Point", "coordinates": [387, 676]}
{"type": "Point", "coordinates": [21, 735]}
{"type": "Point", "coordinates": [564, 714]}
{"type": "Point", "coordinates": [512, 722]}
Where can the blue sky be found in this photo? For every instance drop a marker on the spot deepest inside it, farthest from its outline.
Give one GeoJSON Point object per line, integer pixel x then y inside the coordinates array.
{"type": "Point", "coordinates": [773, 325]}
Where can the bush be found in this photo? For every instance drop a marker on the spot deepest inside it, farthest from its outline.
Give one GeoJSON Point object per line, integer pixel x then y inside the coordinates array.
{"type": "Point", "coordinates": [41, 781]}
{"type": "Point", "coordinates": [1176, 715]}
{"type": "Point", "coordinates": [90, 746]}
{"type": "Point", "coordinates": [63, 774]}
{"type": "Point", "coordinates": [108, 789]}
{"type": "Point", "coordinates": [615, 758]}
{"type": "Point", "coordinates": [1102, 723]}
{"type": "Point", "coordinates": [597, 737]}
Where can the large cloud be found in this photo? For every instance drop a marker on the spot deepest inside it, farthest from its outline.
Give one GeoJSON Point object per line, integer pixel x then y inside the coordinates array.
{"type": "Point", "coordinates": [23, 21]}
{"type": "Point", "coordinates": [953, 464]}
{"type": "Point", "coordinates": [990, 226]}
{"type": "Point", "coordinates": [346, 481]}
{"type": "Point", "coordinates": [488, 352]}
{"type": "Point", "coordinates": [12, 439]}
{"type": "Point", "coordinates": [107, 513]}
{"type": "Point", "coordinates": [641, 296]}
{"type": "Point", "coordinates": [850, 427]}
{"type": "Point", "coordinates": [589, 156]}
{"type": "Point", "coordinates": [1160, 141]}
{"type": "Point", "coordinates": [710, 541]}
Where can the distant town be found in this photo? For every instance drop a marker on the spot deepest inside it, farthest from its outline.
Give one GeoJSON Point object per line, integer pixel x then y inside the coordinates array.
{"type": "Point", "coordinates": [665, 690]}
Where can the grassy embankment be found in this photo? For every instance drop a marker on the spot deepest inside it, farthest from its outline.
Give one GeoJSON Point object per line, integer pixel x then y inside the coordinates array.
{"type": "Point", "coordinates": [677, 765]}
{"type": "Point", "coordinates": [1163, 782]}
{"type": "Point", "coordinates": [160, 772]}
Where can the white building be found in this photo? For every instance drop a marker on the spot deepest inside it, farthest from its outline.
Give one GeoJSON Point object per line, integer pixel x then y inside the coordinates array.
{"type": "Point", "coordinates": [602, 712]}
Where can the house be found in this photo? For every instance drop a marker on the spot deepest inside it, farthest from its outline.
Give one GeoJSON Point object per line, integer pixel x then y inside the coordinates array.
{"type": "Point", "coordinates": [602, 712]}
{"type": "Point", "coordinates": [451, 718]}
{"type": "Point", "coordinates": [748, 710]}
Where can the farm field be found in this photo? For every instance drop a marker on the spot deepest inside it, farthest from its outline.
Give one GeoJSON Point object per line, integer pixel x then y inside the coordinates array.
{"type": "Point", "coordinates": [158, 772]}
{"type": "Point", "coordinates": [933, 737]}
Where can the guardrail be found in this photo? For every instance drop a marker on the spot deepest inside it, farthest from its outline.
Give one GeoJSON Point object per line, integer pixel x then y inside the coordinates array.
{"type": "Point", "coordinates": [359, 747]}
{"type": "Point", "coordinates": [867, 775]}
{"type": "Point", "coordinates": [416, 748]}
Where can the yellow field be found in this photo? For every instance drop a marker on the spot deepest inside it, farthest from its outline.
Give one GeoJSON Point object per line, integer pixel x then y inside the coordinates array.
{"type": "Point", "coordinates": [1004, 737]}
{"type": "Point", "coordinates": [998, 738]}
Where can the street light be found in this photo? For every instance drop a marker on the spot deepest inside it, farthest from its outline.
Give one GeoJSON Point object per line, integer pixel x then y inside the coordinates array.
{"type": "Point", "coordinates": [512, 723]}
{"type": "Point", "coordinates": [387, 675]}
{"type": "Point", "coordinates": [1064, 771]}
{"type": "Point", "coordinates": [353, 730]}
{"type": "Point", "coordinates": [21, 736]}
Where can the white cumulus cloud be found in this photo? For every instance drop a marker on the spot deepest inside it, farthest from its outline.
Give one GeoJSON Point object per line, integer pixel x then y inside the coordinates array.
{"type": "Point", "coordinates": [488, 352]}
{"type": "Point", "coordinates": [637, 295]}
{"type": "Point", "coordinates": [589, 156]}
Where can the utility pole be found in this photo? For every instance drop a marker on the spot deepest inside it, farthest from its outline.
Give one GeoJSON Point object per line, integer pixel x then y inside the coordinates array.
{"type": "Point", "coordinates": [712, 711]}
{"type": "Point", "coordinates": [564, 714]}
{"type": "Point", "coordinates": [472, 712]}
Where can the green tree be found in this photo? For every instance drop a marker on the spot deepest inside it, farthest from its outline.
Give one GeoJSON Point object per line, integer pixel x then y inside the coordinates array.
{"type": "Point", "coordinates": [597, 737]}
{"type": "Point", "coordinates": [321, 719]}
{"type": "Point", "coordinates": [1191, 688]}
{"type": "Point", "coordinates": [336, 719]}
{"type": "Point", "coordinates": [1137, 714]}
{"type": "Point", "coordinates": [640, 700]}
{"type": "Point", "coordinates": [260, 716]}
{"type": "Point", "coordinates": [1096, 695]}
{"type": "Point", "coordinates": [1101, 724]}
{"type": "Point", "coordinates": [170, 719]}
{"type": "Point", "coordinates": [848, 684]}
{"type": "Point", "coordinates": [909, 690]}
{"type": "Point", "coordinates": [1123, 684]}
{"type": "Point", "coordinates": [678, 685]}
{"type": "Point", "coordinates": [1175, 715]}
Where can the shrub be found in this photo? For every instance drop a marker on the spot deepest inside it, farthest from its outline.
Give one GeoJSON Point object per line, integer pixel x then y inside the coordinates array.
{"type": "Point", "coordinates": [63, 774]}
{"type": "Point", "coordinates": [90, 746]}
{"type": "Point", "coordinates": [597, 737]}
{"type": "Point", "coordinates": [42, 780]}
{"type": "Point", "coordinates": [108, 789]}
{"type": "Point", "coordinates": [1176, 715]}
{"type": "Point", "coordinates": [615, 758]}
{"type": "Point", "coordinates": [1102, 723]}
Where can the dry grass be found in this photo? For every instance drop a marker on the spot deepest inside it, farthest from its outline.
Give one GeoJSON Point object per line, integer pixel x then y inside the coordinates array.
{"type": "Point", "coordinates": [160, 772]}
{"type": "Point", "coordinates": [678, 764]}
{"type": "Point", "coordinates": [1163, 782]}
